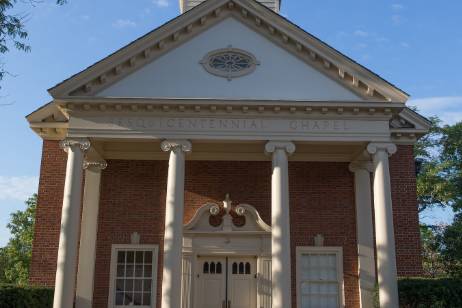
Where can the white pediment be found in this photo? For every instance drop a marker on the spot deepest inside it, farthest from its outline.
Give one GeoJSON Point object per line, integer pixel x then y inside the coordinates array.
{"type": "Point", "coordinates": [280, 74]}
{"type": "Point", "coordinates": [213, 218]}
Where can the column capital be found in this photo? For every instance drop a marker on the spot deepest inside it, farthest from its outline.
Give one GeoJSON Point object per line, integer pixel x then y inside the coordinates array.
{"type": "Point", "coordinates": [287, 146]}
{"type": "Point", "coordinates": [389, 148]}
{"type": "Point", "coordinates": [355, 166]}
{"type": "Point", "coordinates": [95, 165]}
{"type": "Point", "coordinates": [176, 145]}
{"type": "Point", "coordinates": [83, 144]}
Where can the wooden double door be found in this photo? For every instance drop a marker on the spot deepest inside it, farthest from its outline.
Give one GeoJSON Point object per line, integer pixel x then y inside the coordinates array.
{"type": "Point", "coordinates": [226, 282]}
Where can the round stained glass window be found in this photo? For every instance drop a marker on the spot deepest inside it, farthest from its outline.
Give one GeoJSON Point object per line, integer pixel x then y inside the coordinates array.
{"type": "Point", "coordinates": [229, 63]}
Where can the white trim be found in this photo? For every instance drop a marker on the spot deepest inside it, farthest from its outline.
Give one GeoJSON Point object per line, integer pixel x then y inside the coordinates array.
{"type": "Point", "coordinates": [155, 259]}
{"type": "Point", "coordinates": [321, 250]}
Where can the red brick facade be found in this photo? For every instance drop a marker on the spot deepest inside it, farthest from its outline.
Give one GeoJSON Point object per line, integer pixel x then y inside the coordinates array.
{"type": "Point", "coordinates": [133, 199]}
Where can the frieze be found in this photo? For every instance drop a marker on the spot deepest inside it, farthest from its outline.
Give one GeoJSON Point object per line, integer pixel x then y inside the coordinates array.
{"type": "Point", "coordinates": [218, 127]}
{"type": "Point", "coordinates": [229, 124]}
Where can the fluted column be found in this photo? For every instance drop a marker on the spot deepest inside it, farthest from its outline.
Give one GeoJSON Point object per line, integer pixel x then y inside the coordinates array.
{"type": "Point", "coordinates": [174, 208]}
{"type": "Point", "coordinates": [384, 230]}
{"type": "Point", "coordinates": [364, 230]}
{"type": "Point", "coordinates": [70, 223]}
{"type": "Point", "coordinates": [280, 224]}
{"type": "Point", "coordinates": [88, 232]}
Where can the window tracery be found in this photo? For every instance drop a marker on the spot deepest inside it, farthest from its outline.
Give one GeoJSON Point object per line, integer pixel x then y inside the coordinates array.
{"type": "Point", "coordinates": [229, 62]}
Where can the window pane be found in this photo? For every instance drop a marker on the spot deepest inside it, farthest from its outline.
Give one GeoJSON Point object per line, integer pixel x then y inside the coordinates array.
{"type": "Point", "coordinates": [219, 268]}
{"type": "Point", "coordinates": [129, 272]}
{"type": "Point", "coordinates": [119, 298]}
{"type": "Point", "coordinates": [139, 270]}
{"type": "Point", "coordinates": [121, 270]}
{"type": "Point", "coordinates": [120, 284]}
{"type": "Point", "coordinates": [121, 257]}
{"type": "Point", "coordinates": [206, 268]}
{"type": "Point", "coordinates": [139, 257]}
{"type": "Point", "coordinates": [129, 285]}
{"type": "Point", "coordinates": [147, 285]}
{"type": "Point", "coordinates": [247, 268]}
{"type": "Point", "coordinates": [147, 271]}
{"type": "Point", "coordinates": [241, 268]}
{"type": "Point", "coordinates": [212, 268]}
{"type": "Point", "coordinates": [148, 257]}
{"type": "Point", "coordinates": [138, 285]}
{"type": "Point", "coordinates": [137, 300]}
{"type": "Point", "coordinates": [234, 268]}
{"type": "Point", "coordinates": [147, 299]}
{"type": "Point", "coordinates": [128, 300]}
{"type": "Point", "coordinates": [130, 256]}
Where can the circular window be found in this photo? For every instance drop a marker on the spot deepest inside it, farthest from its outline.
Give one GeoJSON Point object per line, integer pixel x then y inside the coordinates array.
{"type": "Point", "coordinates": [229, 63]}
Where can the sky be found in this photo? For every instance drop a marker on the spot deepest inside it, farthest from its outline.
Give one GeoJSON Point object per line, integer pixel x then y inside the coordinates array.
{"type": "Point", "coordinates": [414, 44]}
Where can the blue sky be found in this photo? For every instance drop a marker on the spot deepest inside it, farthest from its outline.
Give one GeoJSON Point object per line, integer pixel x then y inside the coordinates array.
{"type": "Point", "coordinates": [413, 44]}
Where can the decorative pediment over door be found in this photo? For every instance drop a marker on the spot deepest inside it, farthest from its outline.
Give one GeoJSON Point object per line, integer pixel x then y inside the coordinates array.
{"type": "Point", "coordinates": [226, 218]}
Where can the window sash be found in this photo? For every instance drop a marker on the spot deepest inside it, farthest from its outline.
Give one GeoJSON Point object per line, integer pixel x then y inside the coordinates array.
{"type": "Point", "coordinates": [319, 277]}
{"type": "Point", "coordinates": [133, 276]}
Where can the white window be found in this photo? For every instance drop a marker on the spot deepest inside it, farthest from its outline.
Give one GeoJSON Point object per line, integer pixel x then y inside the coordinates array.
{"type": "Point", "coordinates": [319, 277]}
{"type": "Point", "coordinates": [133, 276]}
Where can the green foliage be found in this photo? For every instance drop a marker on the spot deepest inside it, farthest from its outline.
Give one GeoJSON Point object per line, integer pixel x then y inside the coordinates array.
{"type": "Point", "coordinates": [430, 293]}
{"type": "Point", "coordinates": [25, 297]}
{"type": "Point", "coordinates": [432, 259]}
{"type": "Point", "coordinates": [15, 257]}
{"type": "Point", "coordinates": [439, 182]}
{"type": "Point", "coordinates": [451, 247]}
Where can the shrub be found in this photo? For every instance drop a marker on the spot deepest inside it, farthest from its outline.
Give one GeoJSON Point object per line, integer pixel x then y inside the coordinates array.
{"type": "Point", "coordinates": [430, 293]}
{"type": "Point", "coordinates": [25, 297]}
{"type": "Point", "coordinates": [427, 293]}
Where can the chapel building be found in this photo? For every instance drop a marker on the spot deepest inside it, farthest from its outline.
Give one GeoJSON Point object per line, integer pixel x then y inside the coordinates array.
{"type": "Point", "coordinates": [227, 159]}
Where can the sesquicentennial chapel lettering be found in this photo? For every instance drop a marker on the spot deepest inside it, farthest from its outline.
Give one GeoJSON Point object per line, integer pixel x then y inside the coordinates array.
{"type": "Point", "coordinates": [230, 124]}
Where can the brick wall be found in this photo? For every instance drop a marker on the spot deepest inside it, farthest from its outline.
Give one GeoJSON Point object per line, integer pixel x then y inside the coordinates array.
{"type": "Point", "coordinates": [133, 199]}
{"type": "Point", "coordinates": [322, 202]}
{"type": "Point", "coordinates": [48, 215]}
{"type": "Point", "coordinates": [405, 213]}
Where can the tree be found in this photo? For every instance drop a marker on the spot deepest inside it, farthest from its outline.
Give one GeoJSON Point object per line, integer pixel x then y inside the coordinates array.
{"type": "Point", "coordinates": [439, 182]}
{"type": "Point", "coordinates": [15, 257]}
{"type": "Point", "coordinates": [12, 30]}
{"type": "Point", "coordinates": [451, 247]}
{"type": "Point", "coordinates": [432, 259]}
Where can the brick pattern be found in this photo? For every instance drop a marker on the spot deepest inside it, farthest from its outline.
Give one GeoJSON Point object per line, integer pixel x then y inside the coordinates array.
{"type": "Point", "coordinates": [405, 212]}
{"type": "Point", "coordinates": [133, 200]}
{"type": "Point", "coordinates": [322, 202]}
{"type": "Point", "coordinates": [48, 214]}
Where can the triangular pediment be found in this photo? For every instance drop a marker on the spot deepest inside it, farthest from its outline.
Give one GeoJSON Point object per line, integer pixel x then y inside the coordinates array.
{"type": "Point", "coordinates": [294, 64]}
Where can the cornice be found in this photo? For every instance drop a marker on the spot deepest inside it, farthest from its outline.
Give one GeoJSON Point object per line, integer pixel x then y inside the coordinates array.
{"type": "Point", "coordinates": [227, 107]}
{"type": "Point", "coordinates": [314, 52]}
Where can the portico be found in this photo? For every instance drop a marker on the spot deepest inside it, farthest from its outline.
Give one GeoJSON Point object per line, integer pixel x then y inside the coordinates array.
{"type": "Point", "coordinates": [325, 134]}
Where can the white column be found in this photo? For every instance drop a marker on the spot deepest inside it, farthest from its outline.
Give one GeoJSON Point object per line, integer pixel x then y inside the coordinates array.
{"type": "Point", "coordinates": [280, 224]}
{"type": "Point", "coordinates": [384, 231]}
{"type": "Point", "coordinates": [70, 224]}
{"type": "Point", "coordinates": [88, 232]}
{"type": "Point", "coordinates": [364, 231]}
{"type": "Point", "coordinates": [173, 237]}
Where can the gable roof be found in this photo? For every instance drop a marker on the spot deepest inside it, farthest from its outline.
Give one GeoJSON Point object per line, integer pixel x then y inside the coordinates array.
{"type": "Point", "coordinates": [313, 51]}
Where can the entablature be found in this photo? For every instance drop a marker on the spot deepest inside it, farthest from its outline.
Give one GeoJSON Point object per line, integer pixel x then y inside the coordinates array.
{"type": "Point", "coordinates": [139, 118]}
